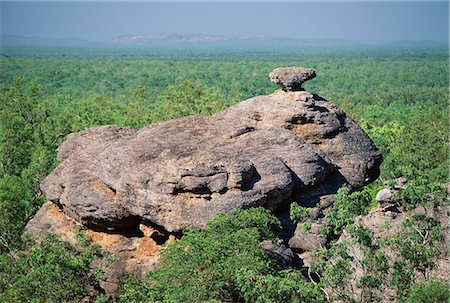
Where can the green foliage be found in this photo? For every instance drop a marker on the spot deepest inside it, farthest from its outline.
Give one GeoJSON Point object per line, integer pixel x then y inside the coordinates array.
{"type": "Point", "coordinates": [222, 262]}
{"type": "Point", "coordinates": [15, 209]}
{"type": "Point", "coordinates": [298, 213]}
{"type": "Point", "coordinates": [349, 205]}
{"type": "Point", "coordinates": [306, 228]}
{"type": "Point", "coordinates": [17, 124]}
{"type": "Point", "coordinates": [430, 291]}
{"type": "Point", "coordinates": [427, 131]}
{"type": "Point", "coordinates": [189, 97]}
{"type": "Point", "coordinates": [82, 239]}
{"type": "Point", "coordinates": [374, 263]}
{"type": "Point", "coordinates": [24, 159]}
{"type": "Point", "coordinates": [420, 192]}
{"type": "Point", "coordinates": [285, 286]}
{"type": "Point", "coordinates": [54, 271]}
{"type": "Point", "coordinates": [334, 265]}
{"type": "Point", "coordinates": [418, 244]}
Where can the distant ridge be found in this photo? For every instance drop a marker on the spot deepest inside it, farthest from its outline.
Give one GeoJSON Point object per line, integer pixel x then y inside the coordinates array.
{"type": "Point", "coordinates": [161, 39]}
{"type": "Point", "coordinates": [15, 40]}
{"type": "Point", "coordinates": [193, 39]}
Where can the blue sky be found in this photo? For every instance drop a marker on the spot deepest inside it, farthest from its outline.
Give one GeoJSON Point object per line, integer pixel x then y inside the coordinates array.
{"type": "Point", "coordinates": [361, 21]}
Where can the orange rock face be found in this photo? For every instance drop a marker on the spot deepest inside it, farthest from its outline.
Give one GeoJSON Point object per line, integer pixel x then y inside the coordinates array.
{"type": "Point", "coordinates": [135, 254]}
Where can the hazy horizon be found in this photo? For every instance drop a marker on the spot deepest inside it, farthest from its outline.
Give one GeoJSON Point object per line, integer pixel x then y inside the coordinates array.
{"type": "Point", "coordinates": [362, 21]}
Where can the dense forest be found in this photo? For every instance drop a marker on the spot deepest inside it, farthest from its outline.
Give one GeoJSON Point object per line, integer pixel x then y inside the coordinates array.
{"type": "Point", "coordinates": [398, 96]}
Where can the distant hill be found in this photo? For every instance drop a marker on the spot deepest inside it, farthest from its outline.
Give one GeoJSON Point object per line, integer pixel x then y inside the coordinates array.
{"type": "Point", "coordinates": [168, 39]}
{"type": "Point", "coordinates": [416, 44]}
{"type": "Point", "coordinates": [12, 40]}
{"type": "Point", "coordinates": [204, 40]}
{"type": "Point", "coordinates": [193, 38]}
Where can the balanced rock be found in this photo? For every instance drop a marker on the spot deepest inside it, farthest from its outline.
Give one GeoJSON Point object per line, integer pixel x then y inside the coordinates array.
{"type": "Point", "coordinates": [291, 78]}
{"type": "Point", "coordinates": [133, 190]}
{"type": "Point", "coordinates": [265, 151]}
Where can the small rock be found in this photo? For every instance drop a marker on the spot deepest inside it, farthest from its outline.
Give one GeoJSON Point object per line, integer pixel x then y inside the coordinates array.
{"type": "Point", "coordinates": [307, 237]}
{"type": "Point", "coordinates": [307, 258]}
{"type": "Point", "coordinates": [384, 196]}
{"type": "Point", "coordinates": [304, 96]}
{"type": "Point", "coordinates": [291, 78]}
{"type": "Point", "coordinates": [326, 201]}
{"type": "Point", "coordinates": [316, 213]}
{"type": "Point", "coordinates": [280, 253]}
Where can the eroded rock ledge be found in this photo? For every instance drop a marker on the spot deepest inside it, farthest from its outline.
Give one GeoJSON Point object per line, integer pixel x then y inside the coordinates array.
{"type": "Point", "coordinates": [265, 151]}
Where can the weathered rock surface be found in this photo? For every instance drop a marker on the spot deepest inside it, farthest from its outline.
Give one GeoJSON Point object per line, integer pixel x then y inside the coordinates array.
{"type": "Point", "coordinates": [280, 253]}
{"type": "Point", "coordinates": [388, 196]}
{"type": "Point", "coordinates": [264, 151]}
{"type": "Point", "coordinates": [384, 195]}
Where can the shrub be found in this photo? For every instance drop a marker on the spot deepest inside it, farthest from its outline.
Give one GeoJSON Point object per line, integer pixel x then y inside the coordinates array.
{"type": "Point", "coordinates": [54, 271]}
{"type": "Point", "coordinates": [298, 213]}
{"type": "Point", "coordinates": [349, 205]}
{"type": "Point", "coordinates": [14, 211]}
{"type": "Point", "coordinates": [430, 291]}
{"type": "Point", "coordinates": [222, 262]}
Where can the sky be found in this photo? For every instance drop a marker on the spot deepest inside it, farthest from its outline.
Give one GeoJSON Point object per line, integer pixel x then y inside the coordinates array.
{"type": "Point", "coordinates": [359, 21]}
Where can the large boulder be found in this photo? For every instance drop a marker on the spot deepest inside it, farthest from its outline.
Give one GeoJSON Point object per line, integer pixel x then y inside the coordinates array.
{"type": "Point", "coordinates": [265, 151]}
{"type": "Point", "coordinates": [308, 237]}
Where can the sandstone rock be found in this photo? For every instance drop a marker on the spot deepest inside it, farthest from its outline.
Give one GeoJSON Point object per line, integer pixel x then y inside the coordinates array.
{"type": "Point", "coordinates": [400, 183]}
{"type": "Point", "coordinates": [291, 78]}
{"type": "Point", "coordinates": [326, 201]}
{"type": "Point", "coordinates": [308, 237]}
{"type": "Point", "coordinates": [264, 151]}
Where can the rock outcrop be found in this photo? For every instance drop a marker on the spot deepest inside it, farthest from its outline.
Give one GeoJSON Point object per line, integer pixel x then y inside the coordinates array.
{"type": "Point", "coordinates": [265, 151]}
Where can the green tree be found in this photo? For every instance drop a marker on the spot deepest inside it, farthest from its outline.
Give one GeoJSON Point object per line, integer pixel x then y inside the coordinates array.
{"type": "Point", "coordinates": [17, 123]}
{"type": "Point", "coordinates": [221, 263]}
{"type": "Point", "coordinates": [15, 210]}
{"type": "Point", "coordinates": [53, 271]}
{"type": "Point", "coordinates": [430, 291]}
